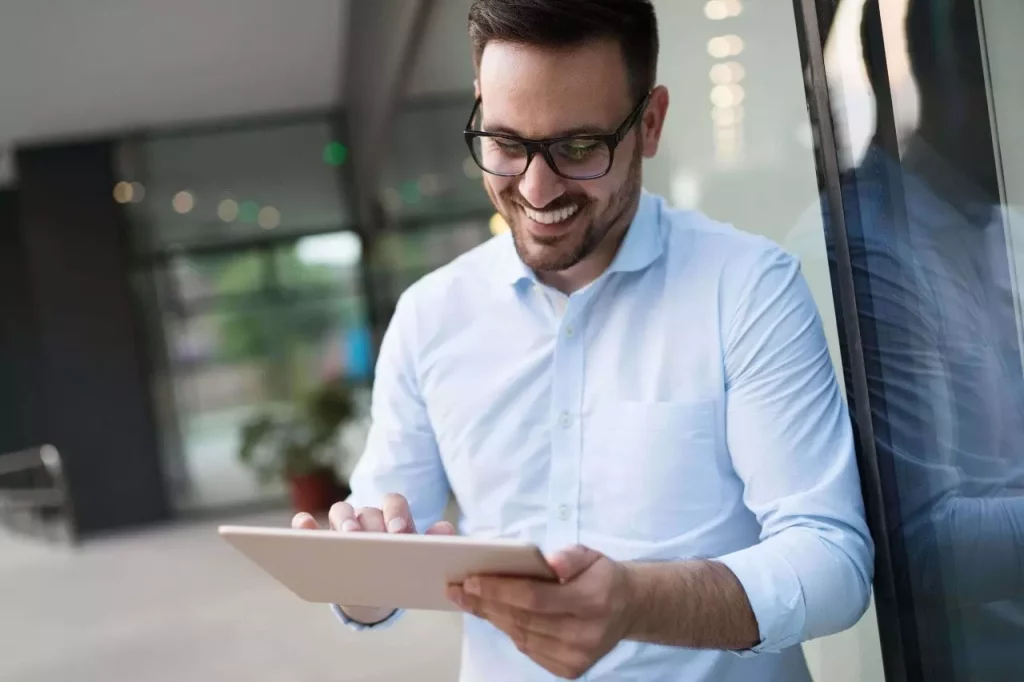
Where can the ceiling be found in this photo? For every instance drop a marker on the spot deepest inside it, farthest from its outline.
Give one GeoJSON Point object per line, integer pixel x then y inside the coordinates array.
{"type": "Point", "coordinates": [71, 68]}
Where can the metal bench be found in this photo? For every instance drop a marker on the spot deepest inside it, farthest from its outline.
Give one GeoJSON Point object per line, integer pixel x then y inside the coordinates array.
{"type": "Point", "coordinates": [33, 494]}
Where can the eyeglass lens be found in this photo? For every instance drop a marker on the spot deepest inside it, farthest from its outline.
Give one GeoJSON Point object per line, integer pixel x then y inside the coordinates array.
{"type": "Point", "coordinates": [577, 158]}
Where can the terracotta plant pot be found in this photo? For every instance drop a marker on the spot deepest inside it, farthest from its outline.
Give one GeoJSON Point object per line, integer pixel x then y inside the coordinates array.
{"type": "Point", "coordinates": [316, 492]}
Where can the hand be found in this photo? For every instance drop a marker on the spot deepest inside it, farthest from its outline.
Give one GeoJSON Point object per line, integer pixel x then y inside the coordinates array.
{"type": "Point", "coordinates": [564, 627]}
{"type": "Point", "coordinates": [392, 517]}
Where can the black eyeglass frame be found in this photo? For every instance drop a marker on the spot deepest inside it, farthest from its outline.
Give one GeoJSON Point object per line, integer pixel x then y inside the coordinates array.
{"type": "Point", "coordinates": [543, 147]}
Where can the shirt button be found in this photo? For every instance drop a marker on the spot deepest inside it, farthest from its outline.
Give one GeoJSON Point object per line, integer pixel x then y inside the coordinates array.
{"type": "Point", "coordinates": [564, 513]}
{"type": "Point", "coordinates": [565, 419]}
{"type": "Point", "coordinates": [569, 331]}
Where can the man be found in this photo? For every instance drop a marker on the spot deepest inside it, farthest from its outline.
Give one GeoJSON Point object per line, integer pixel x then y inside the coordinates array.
{"type": "Point", "coordinates": [643, 393]}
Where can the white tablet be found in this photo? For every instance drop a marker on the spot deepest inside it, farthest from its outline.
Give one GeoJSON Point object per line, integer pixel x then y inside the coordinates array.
{"type": "Point", "coordinates": [381, 570]}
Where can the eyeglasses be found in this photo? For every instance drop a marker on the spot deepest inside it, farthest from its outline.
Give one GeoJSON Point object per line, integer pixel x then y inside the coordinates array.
{"type": "Point", "coordinates": [579, 157]}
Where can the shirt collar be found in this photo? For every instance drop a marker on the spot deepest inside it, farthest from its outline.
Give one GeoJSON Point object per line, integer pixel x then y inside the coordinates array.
{"type": "Point", "coordinates": [642, 245]}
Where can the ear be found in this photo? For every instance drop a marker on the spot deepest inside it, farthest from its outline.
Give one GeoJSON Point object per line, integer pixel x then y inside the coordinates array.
{"type": "Point", "coordinates": [476, 88]}
{"type": "Point", "coordinates": [654, 120]}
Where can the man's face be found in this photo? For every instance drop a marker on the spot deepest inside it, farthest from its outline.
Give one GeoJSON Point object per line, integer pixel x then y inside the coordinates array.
{"type": "Point", "coordinates": [541, 93]}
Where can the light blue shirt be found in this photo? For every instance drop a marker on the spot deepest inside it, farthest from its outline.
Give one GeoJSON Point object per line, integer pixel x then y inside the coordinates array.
{"type": "Point", "coordinates": [683, 405]}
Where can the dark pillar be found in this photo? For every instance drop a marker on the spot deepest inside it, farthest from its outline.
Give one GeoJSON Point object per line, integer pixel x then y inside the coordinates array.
{"type": "Point", "coordinates": [20, 398]}
{"type": "Point", "coordinates": [92, 370]}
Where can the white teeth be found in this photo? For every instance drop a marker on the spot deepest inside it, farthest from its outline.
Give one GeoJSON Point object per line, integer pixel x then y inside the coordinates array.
{"type": "Point", "coordinates": [550, 217]}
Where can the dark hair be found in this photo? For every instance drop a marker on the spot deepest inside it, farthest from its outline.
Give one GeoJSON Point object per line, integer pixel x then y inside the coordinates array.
{"type": "Point", "coordinates": [565, 23]}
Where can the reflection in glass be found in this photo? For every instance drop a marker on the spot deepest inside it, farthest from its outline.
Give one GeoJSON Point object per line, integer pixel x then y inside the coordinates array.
{"type": "Point", "coordinates": [931, 245]}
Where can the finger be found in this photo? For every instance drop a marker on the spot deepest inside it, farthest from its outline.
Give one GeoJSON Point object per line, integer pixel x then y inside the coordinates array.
{"type": "Point", "coordinates": [304, 521]}
{"type": "Point", "coordinates": [519, 624]}
{"type": "Point", "coordinates": [371, 520]}
{"type": "Point", "coordinates": [562, 662]}
{"type": "Point", "coordinates": [540, 638]}
{"type": "Point", "coordinates": [343, 517]}
{"type": "Point", "coordinates": [441, 528]}
{"type": "Point", "coordinates": [569, 563]}
{"type": "Point", "coordinates": [535, 596]}
{"type": "Point", "coordinates": [397, 517]}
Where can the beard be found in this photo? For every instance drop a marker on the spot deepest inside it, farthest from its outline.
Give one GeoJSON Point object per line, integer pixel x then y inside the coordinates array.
{"type": "Point", "coordinates": [556, 254]}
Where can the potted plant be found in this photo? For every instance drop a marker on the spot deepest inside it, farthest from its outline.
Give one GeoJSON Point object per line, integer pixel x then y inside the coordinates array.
{"type": "Point", "coordinates": [299, 445]}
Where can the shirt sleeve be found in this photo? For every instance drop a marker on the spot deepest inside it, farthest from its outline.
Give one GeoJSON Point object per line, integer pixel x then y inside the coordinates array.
{"type": "Point", "coordinates": [360, 627]}
{"type": "Point", "coordinates": [401, 454]}
{"type": "Point", "coordinates": [791, 443]}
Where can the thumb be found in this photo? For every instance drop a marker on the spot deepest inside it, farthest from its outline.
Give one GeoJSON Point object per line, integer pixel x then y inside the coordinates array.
{"type": "Point", "coordinates": [570, 563]}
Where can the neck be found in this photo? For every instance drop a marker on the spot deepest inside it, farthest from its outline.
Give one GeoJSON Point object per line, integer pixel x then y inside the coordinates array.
{"type": "Point", "coordinates": [574, 278]}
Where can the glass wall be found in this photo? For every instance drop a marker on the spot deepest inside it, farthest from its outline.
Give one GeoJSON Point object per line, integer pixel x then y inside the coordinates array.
{"type": "Point", "coordinates": [432, 195]}
{"type": "Point", "coordinates": [248, 268]}
{"type": "Point", "coordinates": [251, 270]}
{"type": "Point", "coordinates": [924, 230]}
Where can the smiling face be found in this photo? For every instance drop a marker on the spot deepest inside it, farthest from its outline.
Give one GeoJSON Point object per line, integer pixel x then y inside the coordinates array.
{"type": "Point", "coordinates": [567, 231]}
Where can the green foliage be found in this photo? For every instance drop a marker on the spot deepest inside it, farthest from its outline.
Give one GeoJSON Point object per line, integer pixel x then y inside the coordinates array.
{"type": "Point", "coordinates": [301, 439]}
{"type": "Point", "coordinates": [258, 329]}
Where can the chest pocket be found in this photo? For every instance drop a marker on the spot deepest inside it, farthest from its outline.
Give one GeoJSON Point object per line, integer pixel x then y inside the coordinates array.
{"type": "Point", "coordinates": [651, 470]}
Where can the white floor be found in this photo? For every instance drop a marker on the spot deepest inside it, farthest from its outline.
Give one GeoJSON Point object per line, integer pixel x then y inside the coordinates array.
{"type": "Point", "coordinates": [177, 604]}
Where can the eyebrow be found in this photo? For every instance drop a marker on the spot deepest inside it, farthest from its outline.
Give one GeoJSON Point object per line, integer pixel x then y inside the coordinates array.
{"type": "Point", "coordinates": [571, 132]}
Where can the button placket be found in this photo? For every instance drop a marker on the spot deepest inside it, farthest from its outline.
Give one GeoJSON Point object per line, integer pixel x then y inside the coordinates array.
{"type": "Point", "coordinates": [566, 440]}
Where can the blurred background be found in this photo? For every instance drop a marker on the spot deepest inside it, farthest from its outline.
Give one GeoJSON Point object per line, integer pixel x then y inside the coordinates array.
{"type": "Point", "coordinates": [208, 209]}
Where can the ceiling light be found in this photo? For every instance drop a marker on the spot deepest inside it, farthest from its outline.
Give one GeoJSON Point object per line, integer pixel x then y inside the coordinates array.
{"type": "Point", "coordinates": [723, 97]}
{"type": "Point", "coordinates": [123, 192]}
{"type": "Point", "coordinates": [724, 116]}
{"type": "Point", "coordinates": [183, 202]}
{"type": "Point", "coordinates": [720, 74]}
{"type": "Point", "coordinates": [269, 218]}
{"type": "Point", "coordinates": [725, 73]}
{"type": "Point", "coordinates": [227, 210]}
{"type": "Point", "coordinates": [721, 47]}
{"type": "Point", "coordinates": [498, 224]}
{"type": "Point", "coordinates": [715, 10]}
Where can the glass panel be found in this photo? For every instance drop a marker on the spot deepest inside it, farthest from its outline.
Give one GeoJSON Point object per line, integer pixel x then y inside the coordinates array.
{"type": "Point", "coordinates": [248, 356]}
{"type": "Point", "coordinates": [321, 261]}
{"type": "Point", "coordinates": [250, 311]}
{"type": "Point", "coordinates": [213, 402]}
{"type": "Point", "coordinates": [402, 257]}
{"type": "Point", "coordinates": [235, 185]}
{"type": "Point", "coordinates": [198, 277]}
{"type": "Point", "coordinates": [429, 169]}
{"type": "Point", "coordinates": [931, 191]}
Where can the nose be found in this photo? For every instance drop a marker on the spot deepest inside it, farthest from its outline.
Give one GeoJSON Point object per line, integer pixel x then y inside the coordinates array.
{"type": "Point", "coordinates": [540, 185]}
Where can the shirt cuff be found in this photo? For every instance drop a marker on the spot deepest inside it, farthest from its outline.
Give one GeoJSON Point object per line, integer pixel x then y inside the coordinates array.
{"type": "Point", "coordinates": [775, 595]}
{"type": "Point", "coordinates": [359, 627]}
